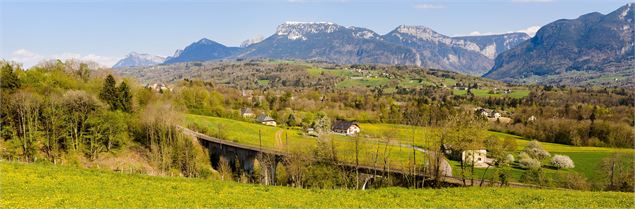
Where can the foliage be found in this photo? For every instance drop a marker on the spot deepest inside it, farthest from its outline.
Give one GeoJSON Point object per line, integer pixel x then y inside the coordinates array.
{"type": "Point", "coordinates": [562, 161]}
{"type": "Point", "coordinates": [535, 150]}
{"type": "Point", "coordinates": [527, 161]}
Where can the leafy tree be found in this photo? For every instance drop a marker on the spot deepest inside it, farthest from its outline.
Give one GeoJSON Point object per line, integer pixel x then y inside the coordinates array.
{"type": "Point", "coordinates": [109, 93]}
{"type": "Point", "coordinates": [124, 97]}
{"type": "Point", "coordinates": [83, 72]}
{"type": "Point", "coordinates": [79, 106]}
{"type": "Point", "coordinates": [291, 121]}
{"type": "Point", "coordinates": [8, 79]}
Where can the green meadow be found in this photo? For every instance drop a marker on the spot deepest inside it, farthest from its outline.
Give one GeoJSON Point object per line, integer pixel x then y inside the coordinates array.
{"type": "Point", "coordinates": [373, 136]}
{"type": "Point", "coordinates": [56, 186]}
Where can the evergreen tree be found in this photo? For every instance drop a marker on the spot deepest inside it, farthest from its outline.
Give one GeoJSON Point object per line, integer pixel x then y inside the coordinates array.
{"type": "Point", "coordinates": [291, 120]}
{"type": "Point", "coordinates": [109, 93]}
{"type": "Point", "coordinates": [9, 80]}
{"type": "Point", "coordinates": [124, 97]}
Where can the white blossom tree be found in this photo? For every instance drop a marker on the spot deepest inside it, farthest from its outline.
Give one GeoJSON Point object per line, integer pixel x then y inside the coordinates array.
{"type": "Point", "coordinates": [562, 161]}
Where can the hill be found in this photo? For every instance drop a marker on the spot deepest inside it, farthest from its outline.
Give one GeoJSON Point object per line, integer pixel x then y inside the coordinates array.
{"type": "Point", "coordinates": [592, 49]}
{"type": "Point", "coordinates": [38, 185]}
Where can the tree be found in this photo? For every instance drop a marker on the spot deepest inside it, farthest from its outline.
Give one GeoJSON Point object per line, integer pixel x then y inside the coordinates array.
{"type": "Point", "coordinates": [562, 161]}
{"type": "Point", "coordinates": [25, 108]}
{"type": "Point", "coordinates": [109, 93]}
{"type": "Point", "coordinates": [8, 79]}
{"type": "Point", "coordinates": [291, 121]}
{"type": "Point", "coordinates": [53, 126]}
{"type": "Point", "coordinates": [83, 72]}
{"type": "Point", "coordinates": [124, 97]}
{"type": "Point", "coordinates": [322, 124]}
{"type": "Point", "coordinates": [79, 106]}
{"type": "Point", "coordinates": [526, 161]}
{"type": "Point", "coordinates": [535, 150]}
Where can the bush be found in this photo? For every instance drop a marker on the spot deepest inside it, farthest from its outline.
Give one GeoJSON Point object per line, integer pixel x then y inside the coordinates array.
{"type": "Point", "coordinates": [535, 150]}
{"type": "Point", "coordinates": [562, 161]}
{"type": "Point", "coordinates": [528, 162]}
{"type": "Point", "coordinates": [509, 158]}
{"type": "Point", "coordinates": [573, 180]}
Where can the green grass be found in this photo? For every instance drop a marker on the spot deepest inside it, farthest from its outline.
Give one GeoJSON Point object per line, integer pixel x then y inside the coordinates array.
{"type": "Point", "coordinates": [586, 159]}
{"type": "Point", "coordinates": [248, 133]}
{"type": "Point", "coordinates": [46, 186]}
{"type": "Point", "coordinates": [263, 82]}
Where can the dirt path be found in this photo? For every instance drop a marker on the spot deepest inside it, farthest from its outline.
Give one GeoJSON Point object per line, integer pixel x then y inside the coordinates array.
{"type": "Point", "coordinates": [278, 137]}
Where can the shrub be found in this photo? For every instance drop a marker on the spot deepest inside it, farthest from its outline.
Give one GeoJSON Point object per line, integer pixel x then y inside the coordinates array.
{"type": "Point", "coordinates": [535, 150]}
{"type": "Point", "coordinates": [562, 161]}
{"type": "Point", "coordinates": [573, 180]}
{"type": "Point", "coordinates": [509, 158]}
{"type": "Point", "coordinates": [527, 161]}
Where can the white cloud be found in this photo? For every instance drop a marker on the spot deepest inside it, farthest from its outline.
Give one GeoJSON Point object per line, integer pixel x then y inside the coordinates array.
{"type": "Point", "coordinates": [476, 33]}
{"type": "Point", "coordinates": [429, 6]}
{"type": "Point", "coordinates": [531, 30]}
{"type": "Point", "coordinates": [28, 58]}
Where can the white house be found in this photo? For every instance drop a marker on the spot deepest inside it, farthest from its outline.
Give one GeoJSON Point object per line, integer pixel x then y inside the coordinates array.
{"type": "Point", "coordinates": [345, 127]}
{"type": "Point", "coordinates": [478, 157]}
{"type": "Point", "coordinates": [266, 120]}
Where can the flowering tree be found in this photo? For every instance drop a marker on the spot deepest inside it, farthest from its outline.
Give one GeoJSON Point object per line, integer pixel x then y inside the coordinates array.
{"type": "Point", "coordinates": [562, 161]}
{"type": "Point", "coordinates": [535, 150]}
{"type": "Point", "coordinates": [527, 161]}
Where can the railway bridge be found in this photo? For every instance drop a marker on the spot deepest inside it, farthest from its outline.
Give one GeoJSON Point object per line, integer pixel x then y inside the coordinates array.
{"type": "Point", "coordinates": [241, 158]}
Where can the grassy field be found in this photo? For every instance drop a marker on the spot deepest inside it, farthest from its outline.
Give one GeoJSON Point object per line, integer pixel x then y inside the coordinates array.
{"type": "Point", "coordinates": [586, 159]}
{"type": "Point", "coordinates": [47, 186]}
{"type": "Point", "coordinates": [293, 139]}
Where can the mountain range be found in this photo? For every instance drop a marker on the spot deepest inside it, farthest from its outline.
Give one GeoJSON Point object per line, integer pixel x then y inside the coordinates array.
{"type": "Point", "coordinates": [568, 51]}
{"type": "Point", "coordinates": [591, 49]}
{"type": "Point", "coordinates": [325, 41]}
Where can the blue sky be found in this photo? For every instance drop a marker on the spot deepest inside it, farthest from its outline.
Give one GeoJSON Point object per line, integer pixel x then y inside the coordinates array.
{"type": "Point", "coordinates": [105, 31]}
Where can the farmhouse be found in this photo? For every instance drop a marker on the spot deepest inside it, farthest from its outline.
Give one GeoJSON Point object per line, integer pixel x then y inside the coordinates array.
{"type": "Point", "coordinates": [266, 120]}
{"type": "Point", "coordinates": [476, 156]}
{"type": "Point", "coordinates": [345, 127]}
{"type": "Point", "coordinates": [246, 112]}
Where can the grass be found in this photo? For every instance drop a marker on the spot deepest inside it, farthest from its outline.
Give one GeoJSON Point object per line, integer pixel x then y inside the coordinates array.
{"type": "Point", "coordinates": [47, 186]}
{"type": "Point", "coordinates": [255, 134]}
{"type": "Point", "coordinates": [586, 159]}
{"type": "Point", "coordinates": [263, 82]}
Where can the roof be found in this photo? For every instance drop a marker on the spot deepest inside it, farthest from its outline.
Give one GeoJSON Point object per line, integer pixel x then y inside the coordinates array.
{"type": "Point", "coordinates": [264, 118]}
{"type": "Point", "coordinates": [246, 110]}
{"type": "Point", "coordinates": [343, 125]}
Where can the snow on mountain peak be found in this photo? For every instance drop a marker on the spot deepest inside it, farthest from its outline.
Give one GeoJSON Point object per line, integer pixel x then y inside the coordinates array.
{"type": "Point", "coordinates": [134, 59]}
{"type": "Point", "coordinates": [299, 30]}
{"type": "Point", "coordinates": [252, 41]}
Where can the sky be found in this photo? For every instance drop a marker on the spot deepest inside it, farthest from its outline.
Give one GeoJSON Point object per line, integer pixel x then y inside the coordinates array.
{"type": "Point", "coordinates": [105, 31]}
